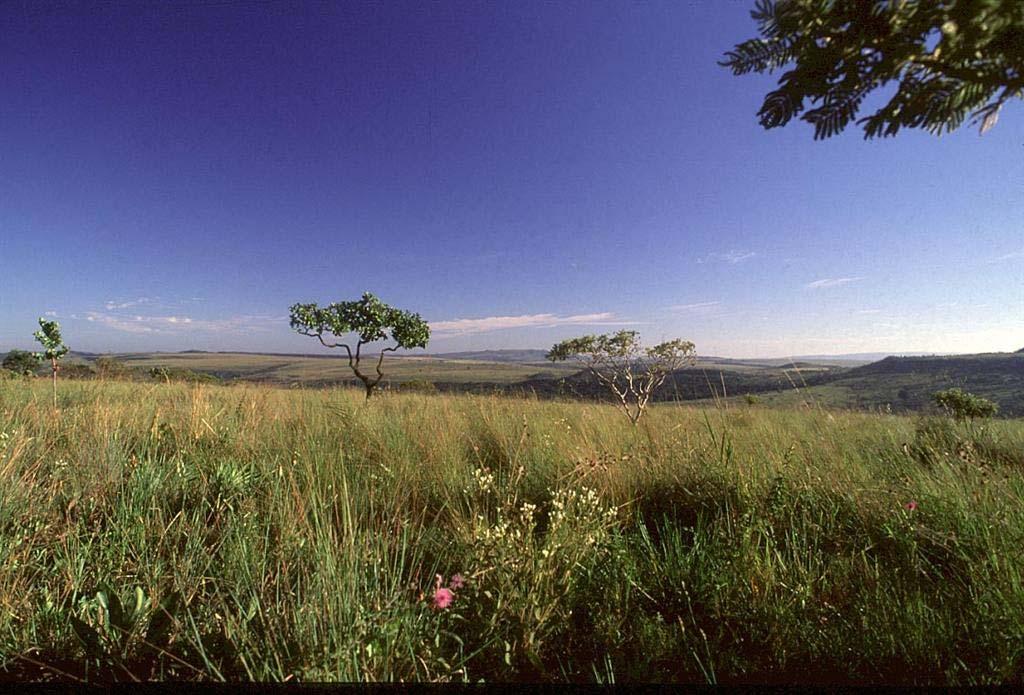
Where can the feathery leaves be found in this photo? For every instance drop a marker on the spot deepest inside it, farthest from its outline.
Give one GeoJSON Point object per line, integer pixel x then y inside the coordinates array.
{"type": "Point", "coordinates": [951, 60]}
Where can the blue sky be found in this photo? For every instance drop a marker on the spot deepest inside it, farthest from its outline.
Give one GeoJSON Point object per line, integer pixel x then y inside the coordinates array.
{"type": "Point", "coordinates": [174, 175]}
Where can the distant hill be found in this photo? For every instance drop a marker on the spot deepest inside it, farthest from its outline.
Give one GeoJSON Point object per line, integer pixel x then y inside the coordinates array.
{"type": "Point", "coordinates": [945, 364]}
{"type": "Point", "coordinates": [695, 383]}
{"type": "Point", "coordinates": [864, 356]}
{"type": "Point", "coordinates": [531, 356]}
{"type": "Point", "coordinates": [907, 383]}
{"type": "Point", "coordinates": [522, 356]}
{"type": "Point", "coordinates": [901, 384]}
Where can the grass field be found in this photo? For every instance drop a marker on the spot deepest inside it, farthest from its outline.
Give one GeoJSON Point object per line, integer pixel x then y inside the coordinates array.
{"type": "Point", "coordinates": [913, 390]}
{"type": "Point", "coordinates": [247, 532]}
{"type": "Point", "coordinates": [296, 369]}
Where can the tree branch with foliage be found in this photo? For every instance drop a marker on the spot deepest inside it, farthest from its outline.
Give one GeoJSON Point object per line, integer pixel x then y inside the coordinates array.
{"type": "Point", "coordinates": [950, 59]}
{"type": "Point", "coordinates": [371, 320]}
{"type": "Point", "coordinates": [622, 365]}
{"type": "Point", "coordinates": [54, 348]}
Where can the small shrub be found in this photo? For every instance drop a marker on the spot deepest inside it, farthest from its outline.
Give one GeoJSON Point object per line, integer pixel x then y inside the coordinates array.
{"type": "Point", "coordinates": [962, 405]}
{"type": "Point", "coordinates": [111, 368]}
{"type": "Point", "coordinates": [21, 362]}
{"type": "Point", "coordinates": [169, 374]}
{"type": "Point", "coordinates": [529, 565]}
{"type": "Point", "coordinates": [418, 386]}
{"type": "Point", "coordinates": [77, 371]}
{"type": "Point", "coordinates": [935, 439]}
{"type": "Point", "coordinates": [123, 639]}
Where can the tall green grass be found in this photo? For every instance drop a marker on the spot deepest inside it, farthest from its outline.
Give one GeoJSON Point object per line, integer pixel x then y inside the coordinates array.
{"type": "Point", "coordinates": [223, 533]}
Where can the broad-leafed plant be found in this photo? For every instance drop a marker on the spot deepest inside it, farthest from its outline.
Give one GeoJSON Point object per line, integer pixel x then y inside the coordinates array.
{"type": "Point", "coordinates": [54, 348]}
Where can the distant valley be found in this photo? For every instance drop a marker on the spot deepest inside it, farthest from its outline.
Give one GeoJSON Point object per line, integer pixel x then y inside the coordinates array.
{"type": "Point", "coordinates": [897, 384]}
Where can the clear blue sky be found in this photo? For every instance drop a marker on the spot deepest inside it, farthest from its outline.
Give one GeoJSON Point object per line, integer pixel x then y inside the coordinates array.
{"type": "Point", "coordinates": [173, 175]}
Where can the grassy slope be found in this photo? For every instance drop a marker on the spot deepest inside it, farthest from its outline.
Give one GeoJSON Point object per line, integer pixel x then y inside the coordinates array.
{"type": "Point", "coordinates": [482, 375]}
{"type": "Point", "coordinates": [296, 534]}
{"type": "Point", "coordinates": [907, 383]}
{"type": "Point", "coordinates": [289, 369]}
{"type": "Point", "coordinates": [903, 384]}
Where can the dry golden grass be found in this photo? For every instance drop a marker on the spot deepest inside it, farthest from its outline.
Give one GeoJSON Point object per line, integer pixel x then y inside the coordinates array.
{"type": "Point", "coordinates": [211, 532]}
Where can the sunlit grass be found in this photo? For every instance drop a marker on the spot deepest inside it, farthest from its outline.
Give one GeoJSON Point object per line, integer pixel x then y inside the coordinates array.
{"type": "Point", "coordinates": [279, 534]}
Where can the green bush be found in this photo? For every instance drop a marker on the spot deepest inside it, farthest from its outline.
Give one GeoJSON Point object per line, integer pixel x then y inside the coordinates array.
{"type": "Point", "coordinates": [962, 405]}
{"type": "Point", "coordinates": [169, 374]}
{"type": "Point", "coordinates": [417, 386]}
{"type": "Point", "coordinates": [77, 371]}
{"type": "Point", "coordinates": [21, 362]}
{"type": "Point", "coordinates": [111, 368]}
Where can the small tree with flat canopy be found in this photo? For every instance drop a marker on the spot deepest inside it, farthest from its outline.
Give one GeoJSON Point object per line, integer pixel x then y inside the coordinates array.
{"type": "Point", "coordinates": [54, 348]}
{"type": "Point", "coordinates": [627, 369]}
{"type": "Point", "coordinates": [371, 320]}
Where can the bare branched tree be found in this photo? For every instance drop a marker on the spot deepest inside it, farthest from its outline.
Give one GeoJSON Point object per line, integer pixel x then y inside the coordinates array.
{"type": "Point", "coordinates": [627, 369]}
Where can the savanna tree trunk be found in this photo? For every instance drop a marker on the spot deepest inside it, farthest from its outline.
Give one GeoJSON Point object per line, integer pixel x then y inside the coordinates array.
{"type": "Point", "coordinates": [53, 365]}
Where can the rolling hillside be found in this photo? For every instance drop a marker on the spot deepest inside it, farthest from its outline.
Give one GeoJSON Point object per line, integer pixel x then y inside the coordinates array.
{"type": "Point", "coordinates": [901, 384]}
{"type": "Point", "coordinates": [907, 383]}
{"type": "Point", "coordinates": [324, 370]}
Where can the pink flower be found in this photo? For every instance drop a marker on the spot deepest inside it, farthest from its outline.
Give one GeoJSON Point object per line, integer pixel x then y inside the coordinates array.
{"type": "Point", "coordinates": [443, 598]}
{"type": "Point", "coordinates": [911, 505]}
{"type": "Point", "coordinates": [457, 581]}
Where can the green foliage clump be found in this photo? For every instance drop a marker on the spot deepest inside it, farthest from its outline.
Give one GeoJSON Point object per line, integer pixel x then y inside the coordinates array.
{"type": "Point", "coordinates": [116, 635]}
{"type": "Point", "coordinates": [78, 371]}
{"type": "Point", "coordinates": [169, 374]}
{"type": "Point", "coordinates": [111, 368]}
{"type": "Point", "coordinates": [54, 348]}
{"type": "Point", "coordinates": [50, 338]}
{"type": "Point", "coordinates": [418, 386]}
{"type": "Point", "coordinates": [21, 362]}
{"type": "Point", "coordinates": [371, 320]}
{"type": "Point", "coordinates": [947, 58]}
{"type": "Point", "coordinates": [962, 405]}
{"type": "Point", "coordinates": [529, 564]}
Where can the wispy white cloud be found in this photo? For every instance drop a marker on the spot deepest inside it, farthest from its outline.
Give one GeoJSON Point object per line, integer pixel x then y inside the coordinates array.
{"type": "Point", "coordinates": [126, 324]}
{"type": "Point", "coordinates": [1012, 256]}
{"type": "Point", "coordinates": [496, 323]}
{"type": "Point", "coordinates": [696, 307]}
{"type": "Point", "coordinates": [51, 314]}
{"type": "Point", "coordinates": [113, 305]}
{"type": "Point", "coordinates": [182, 324]}
{"type": "Point", "coordinates": [959, 306]}
{"type": "Point", "coordinates": [868, 311]}
{"type": "Point", "coordinates": [731, 257]}
{"type": "Point", "coordinates": [831, 282]}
